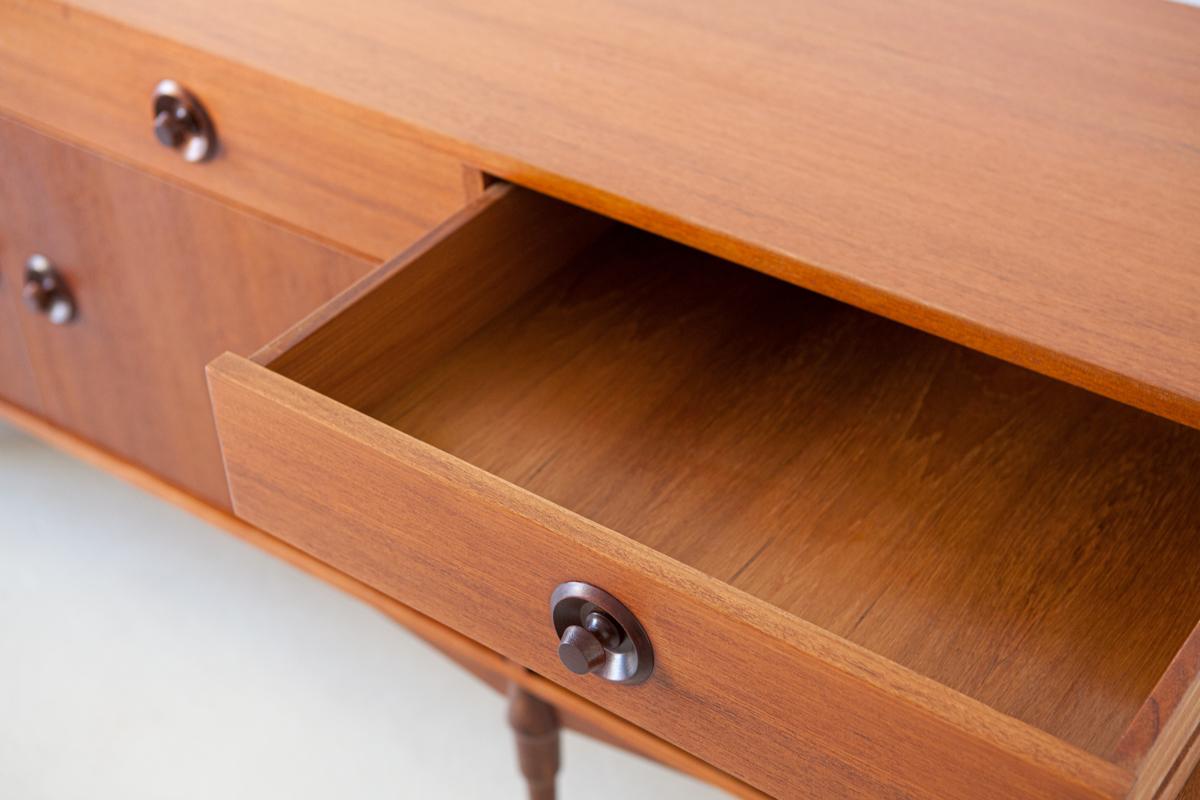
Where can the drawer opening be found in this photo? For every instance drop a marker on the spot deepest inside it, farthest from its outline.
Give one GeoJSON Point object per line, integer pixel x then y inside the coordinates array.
{"type": "Point", "coordinates": [1024, 542]}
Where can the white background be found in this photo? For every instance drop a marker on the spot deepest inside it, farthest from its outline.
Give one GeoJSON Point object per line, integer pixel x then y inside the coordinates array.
{"type": "Point", "coordinates": [145, 654]}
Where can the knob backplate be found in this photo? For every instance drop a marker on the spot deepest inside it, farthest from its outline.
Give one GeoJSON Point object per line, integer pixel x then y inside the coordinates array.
{"type": "Point", "coordinates": [628, 658]}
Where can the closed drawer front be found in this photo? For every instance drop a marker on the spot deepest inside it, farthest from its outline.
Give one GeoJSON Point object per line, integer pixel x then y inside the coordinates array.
{"type": "Point", "coordinates": [284, 151]}
{"type": "Point", "coordinates": [161, 281]}
{"type": "Point", "coordinates": [870, 563]}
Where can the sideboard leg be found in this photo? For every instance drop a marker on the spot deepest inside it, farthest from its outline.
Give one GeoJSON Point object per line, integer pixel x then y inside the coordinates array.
{"type": "Point", "coordinates": [535, 724]}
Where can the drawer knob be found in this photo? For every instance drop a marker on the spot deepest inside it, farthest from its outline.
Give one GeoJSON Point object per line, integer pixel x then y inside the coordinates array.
{"type": "Point", "coordinates": [181, 123]}
{"type": "Point", "coordinates": [598, 634]}
{"type": "Point", "coordinates": [45, 291]}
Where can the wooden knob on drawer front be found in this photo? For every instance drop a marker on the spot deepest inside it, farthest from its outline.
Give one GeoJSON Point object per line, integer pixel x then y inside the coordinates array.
{"type": "Point", "coordinates": [598, 634]}
{"type": "Point", "coordinates": [45, 291]}
{"type": "Point", "coordinates": [580, 651]}
{"type": "Point", "coordinates": [584, 649]}
{"type": "Point", "coordinates": [181, 123]}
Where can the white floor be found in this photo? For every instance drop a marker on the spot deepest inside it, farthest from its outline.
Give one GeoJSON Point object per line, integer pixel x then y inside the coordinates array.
{"type": "Point", "coordinates": [144, 654]}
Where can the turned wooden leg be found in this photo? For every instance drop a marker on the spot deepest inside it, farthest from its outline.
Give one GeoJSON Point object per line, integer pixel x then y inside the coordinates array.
{"type": "Point", "coordinates": [535, 723]}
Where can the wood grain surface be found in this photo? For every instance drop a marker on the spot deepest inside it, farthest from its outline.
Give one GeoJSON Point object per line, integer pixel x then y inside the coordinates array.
{"type": "Point", "coordinates": [779, 703]}
{"type": "Point", "coordinates": [285, 151]}
{"type": "Point", "coordinates": [1020, 177]}
{"type": "Point", "coordinates": [966, 518]}
{"type": "Point", "coordinates": [413, 311]}
{"type": "Point", "coordinates": [1190, 789]}
{"type": "Point", "coordinates": [164, 281]}
{"type": "Point", "coordinates": [17, 384]}
{"type": "Point", "coordinates": [1024, 542]}
{"type": "Point", "coordinates": [490, 667]}
{"type": "Point", "coordinates": [743, 681]}
{"type": "Point", "coordinates": [757, 692]}
{"type": "Point", "coordinates": [1161, 742]}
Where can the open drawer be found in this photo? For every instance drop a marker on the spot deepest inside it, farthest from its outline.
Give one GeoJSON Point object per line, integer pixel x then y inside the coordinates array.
{"type": "Point", "coordinates": [871, 563]}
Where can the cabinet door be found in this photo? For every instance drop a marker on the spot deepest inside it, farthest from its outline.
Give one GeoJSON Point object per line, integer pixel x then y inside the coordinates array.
{"type": "Point", "coordinates": [164, 280]}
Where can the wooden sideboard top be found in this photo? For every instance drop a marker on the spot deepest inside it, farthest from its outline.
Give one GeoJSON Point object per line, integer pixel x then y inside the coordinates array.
{"type": "Point", "coordinates": [1020, 176]}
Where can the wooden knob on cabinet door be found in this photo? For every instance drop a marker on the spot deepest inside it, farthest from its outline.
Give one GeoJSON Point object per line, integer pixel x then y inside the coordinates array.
{"type": "Point", "coordinates": [181, 123]}
{"type": "Point", "coordinates": [45, 291]}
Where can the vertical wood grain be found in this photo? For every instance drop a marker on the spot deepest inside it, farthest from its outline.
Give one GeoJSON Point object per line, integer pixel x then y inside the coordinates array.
{"type": "Point", "coordinates": [419, 306]}
{"type": "Point", "coordinates": [17, 383]}
{"type": "Point", "coordinates": [164, 280]}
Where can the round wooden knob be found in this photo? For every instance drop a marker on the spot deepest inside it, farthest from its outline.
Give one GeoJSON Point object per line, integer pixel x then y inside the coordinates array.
{"type": "Point", "coordinates": [181, 123]}
{"type": "Point", "coordinates": [597, 634]}
{"type": "Point", "coordinates": [580, 650]}
{"type": "Point", "coordinates": [45, 292]}
{"type": "Point", "coordinates": [171, 127]}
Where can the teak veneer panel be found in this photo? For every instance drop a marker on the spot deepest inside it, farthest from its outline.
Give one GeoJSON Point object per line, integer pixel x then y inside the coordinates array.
{"type": "Point", "coordinates": [1020, 177]}
{"type": "Point", "coordinates": [457, 278]}
{"type": "Point", "coordinates": [740, 681]}
{"type": "Point", "coordinates": [781, 704]}
{"type": "Point", "coordinates": [1027, 543]}
{"type": "Point", "coordinates": [1191, 789]}
{"type": "Point", "coordinates": [17, 384]}
{"type": "Point", "coordinates": [285, 151]}
{"type": "Point", "coordinates": [164, 281]}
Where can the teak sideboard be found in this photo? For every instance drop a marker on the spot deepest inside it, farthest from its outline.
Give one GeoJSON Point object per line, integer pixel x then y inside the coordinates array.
{"type": "Point", "coordinates": [804, 395]}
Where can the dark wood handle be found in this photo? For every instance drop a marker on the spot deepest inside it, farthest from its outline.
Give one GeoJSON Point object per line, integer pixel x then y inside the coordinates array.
{"type": "Point", "coordinates": [45, 291]}
{"type": "Point", "coordinates": [181, 123]}
{"type": "Point", "coordinates": [598, 634]}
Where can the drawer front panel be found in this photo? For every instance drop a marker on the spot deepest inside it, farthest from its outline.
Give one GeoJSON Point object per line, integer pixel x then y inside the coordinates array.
{"type": "Point", "coordinates": [754, 690]}
{"type": "Point", "coordinates": [780, 704]}
{"type": "Point", "coordinates": [312, 433]}
{"type": "Point", "coordinates": [284, 151]}
{"type": "Point", "coordinates": [163, 280]}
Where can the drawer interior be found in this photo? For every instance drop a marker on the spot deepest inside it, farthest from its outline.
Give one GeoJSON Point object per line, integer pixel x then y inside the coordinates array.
{"type": "Point", "coordinates": [1024, 542]}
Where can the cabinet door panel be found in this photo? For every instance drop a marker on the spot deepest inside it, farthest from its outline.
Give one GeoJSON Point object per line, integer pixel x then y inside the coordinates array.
{"type": "Point", "coordinates": [164, 280]}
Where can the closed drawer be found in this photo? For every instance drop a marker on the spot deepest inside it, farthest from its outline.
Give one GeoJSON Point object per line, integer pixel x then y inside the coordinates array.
{"type": "Point", "coordinates": [870, 563]}
{"type": "Point", "coordinates": [161, 280]}
{"type": "Point", "coordinates": [317, 164]}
